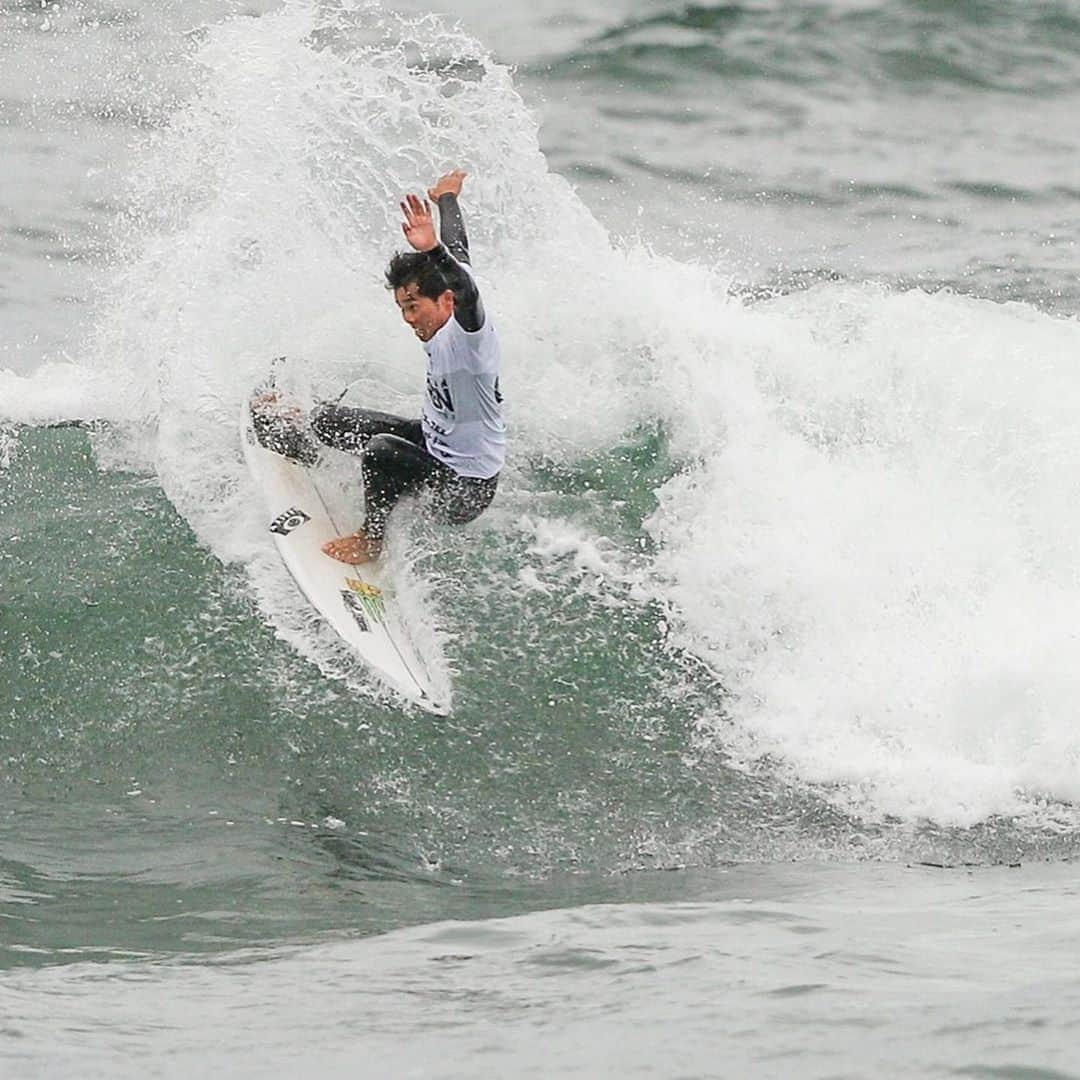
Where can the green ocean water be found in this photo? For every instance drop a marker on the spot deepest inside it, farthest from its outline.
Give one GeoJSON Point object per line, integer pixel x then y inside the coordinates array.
{"type": "Point", "coordinates": [151, 708]}
{"type": "Point", "coordinates": [177, 779]}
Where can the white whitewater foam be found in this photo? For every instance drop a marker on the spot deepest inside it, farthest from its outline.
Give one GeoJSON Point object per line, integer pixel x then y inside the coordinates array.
{"type": "Point", "coordinates": [54, 393]}
{"type": "Point", "coordinates": [879, 550]}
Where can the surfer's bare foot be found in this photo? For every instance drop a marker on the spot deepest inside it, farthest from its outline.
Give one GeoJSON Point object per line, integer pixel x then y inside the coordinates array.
{"type": "Point", "coordinates": [355, 549]}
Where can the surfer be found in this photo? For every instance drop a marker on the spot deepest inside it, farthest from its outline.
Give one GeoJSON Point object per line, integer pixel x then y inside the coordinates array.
{"type": "Point", "coordinates": [456, 449]}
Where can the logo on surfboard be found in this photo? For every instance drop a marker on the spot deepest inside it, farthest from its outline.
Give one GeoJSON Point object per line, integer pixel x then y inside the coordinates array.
{"type": "Point", "coordinates": [293, 518]}
{"type": "Point", "coordinates": [369, 597]}
{"type": "Point", "coordinates": [355, 606]}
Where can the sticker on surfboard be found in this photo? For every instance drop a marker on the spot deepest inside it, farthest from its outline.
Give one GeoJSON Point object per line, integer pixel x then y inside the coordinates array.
{"type": "Point", "coordinates": [370, 597]}
{"type": "Point", "coordinates": [284, 523]}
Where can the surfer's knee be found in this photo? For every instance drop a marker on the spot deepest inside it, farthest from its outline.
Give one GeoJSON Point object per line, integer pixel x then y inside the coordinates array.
{"type": "Point", "coordinates": [392, 467]}
{"type": "Point", "coordinates": [382, 449]}
{"type": "Point", "coordinates": [392, 453]}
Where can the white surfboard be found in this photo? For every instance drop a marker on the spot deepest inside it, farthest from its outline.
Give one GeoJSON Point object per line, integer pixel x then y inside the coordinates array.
{"type": "Point", "coordinates": [357, 601]}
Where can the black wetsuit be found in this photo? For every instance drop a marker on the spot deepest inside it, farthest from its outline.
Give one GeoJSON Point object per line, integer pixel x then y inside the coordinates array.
{"type": "Point", "coordinates": [395, 460]}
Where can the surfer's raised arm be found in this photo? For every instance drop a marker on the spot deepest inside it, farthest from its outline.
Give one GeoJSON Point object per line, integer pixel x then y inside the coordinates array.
{"type": "Point", "coordinates": [451, 224]}
{"type": "Point", "coordinates": [451, 256]}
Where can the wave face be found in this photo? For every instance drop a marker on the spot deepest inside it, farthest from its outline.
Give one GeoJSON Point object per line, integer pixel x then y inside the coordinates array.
{"type": "Point", "coordinates": [768, 576]}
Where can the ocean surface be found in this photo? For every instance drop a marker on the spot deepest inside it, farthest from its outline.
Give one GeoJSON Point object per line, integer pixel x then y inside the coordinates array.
{"type": "Point", "coordinates": [764, 757]}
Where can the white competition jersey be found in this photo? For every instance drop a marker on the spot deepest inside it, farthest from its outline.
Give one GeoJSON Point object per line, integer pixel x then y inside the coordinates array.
{"type": "Point", "coordinates": [463, 425]}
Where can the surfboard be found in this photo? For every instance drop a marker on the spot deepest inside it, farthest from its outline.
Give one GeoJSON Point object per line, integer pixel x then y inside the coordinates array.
{"type": "Point", "coordinates": [356, 601]}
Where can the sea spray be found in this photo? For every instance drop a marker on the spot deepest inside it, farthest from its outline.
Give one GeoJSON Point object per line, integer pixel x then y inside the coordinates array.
{"type": "Point", "coordinates": [268, 209]}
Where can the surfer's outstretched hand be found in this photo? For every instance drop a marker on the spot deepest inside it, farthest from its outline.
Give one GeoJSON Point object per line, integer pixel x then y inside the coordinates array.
{"type": "Point", "coordinates": [447, 184]}
{"type": "Point", "coordinates": [418, 226]}
{"type": "Point", "coordinates": [353, 549]}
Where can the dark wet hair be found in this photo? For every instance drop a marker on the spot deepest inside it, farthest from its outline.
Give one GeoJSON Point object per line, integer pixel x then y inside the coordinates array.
{"type": "Point", "coordinates": [409, 266]}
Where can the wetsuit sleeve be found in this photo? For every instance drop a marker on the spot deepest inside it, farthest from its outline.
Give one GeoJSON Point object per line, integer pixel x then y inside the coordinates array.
{"type": "Point", "coordinates": [449, 257]}
{"type": "Point", "coordinates": [452, 228]}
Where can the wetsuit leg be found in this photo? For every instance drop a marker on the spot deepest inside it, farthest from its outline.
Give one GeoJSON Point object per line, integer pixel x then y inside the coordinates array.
{"type": "Point", "coordinates": [392, 467]}
{"type": "Point", "coordinates": [395, 463]}
{"type": "Point", "coordinates": [459, 499]}
{"type": "Point", "coordinates": [347, 428]}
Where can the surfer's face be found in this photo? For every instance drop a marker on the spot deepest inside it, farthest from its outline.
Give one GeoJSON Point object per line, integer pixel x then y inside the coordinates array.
{"type": "Point", "coordinates": [426, 316]}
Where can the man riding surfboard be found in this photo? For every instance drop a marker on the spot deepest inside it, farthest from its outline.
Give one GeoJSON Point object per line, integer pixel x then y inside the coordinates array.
{"type": "Point", "coordinates": [457, 448]}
